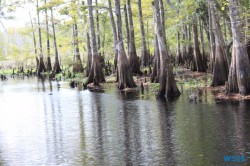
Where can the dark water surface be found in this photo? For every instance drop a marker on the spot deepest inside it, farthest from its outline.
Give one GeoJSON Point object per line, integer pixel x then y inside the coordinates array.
{"type": "Point", "coordinates": [43, 125]}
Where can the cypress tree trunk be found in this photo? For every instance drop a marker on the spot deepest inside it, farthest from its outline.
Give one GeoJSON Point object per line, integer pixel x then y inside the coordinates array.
{"type": "Point", "coordinates": [162, 20]}
{"type": "Point", "coordinates": [41, 66]}
{"type": "Point", "coordinates": [220, 71]}
{"type": "Point", "coordinates": [189, 46]}
{"type": "Point", "coordinates": [144, 51]}
{"type": "Point", "coordinates": [248, 47]}
{"type": "Point", "coordinates": [89, 55]}
{"type": "Point", "coordinates": [103, 37]}
{"type": "Point", "coordinates": [178, 57]}
{"type": "Point", "coordinates": [225, 29]}
{"type": "Point", "coordinates": [184, 52]}
{"type": "Point", "coordinates": [48, 63]}
{"type": "Point", "coordinates": [34, 42]}
{"type": "Point", "coordinates": [156, 62]}
{"type": "Point", "coordinates": [127, 27]}
{"type": "Point", "coordinates": [204, 57]}
{"type": "Point", "coordinates": [198, 64]}
{"type": "Point", "coordinates": [178, 51]}
{"type": "Point", "coordinates": [56, 67]}
{"type": "Point", "coordinates": [77, 66]}
{"type": "Point", "coordinates": [239, 75]}
{"type": "Point", "coordinates": [212, 40]}
{"type": "Point", "coordinates": [96, 74]}
{"type": "Point", "coordinates": [133, 59]}
{"type": "Point", "coordinates": [97, 27]}
{"type": "Point", "coordinates": [125, 79]}
{"type": "Point", "coordinates": [168, 87]}
{"type": "Point", "coordinates": [112, 21]}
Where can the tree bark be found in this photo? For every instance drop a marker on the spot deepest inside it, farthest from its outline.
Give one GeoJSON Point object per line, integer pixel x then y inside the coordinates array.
{"type": "Point", "coordinates": [96, 74]}
{"type": "Point", "coordinates": [189, 46]}
{"type": "Point", "coordinates": [77, 66]}
{"type": "Point", "coordinates": [112, 21]}
{"type": "Point", "coordinates": [144, 50]}
{"type": "Point", "coordinates": [127, 27]}
{"type": "Point", "coordinates": [178, 60]}
{"type": "Point", "coordinates": [133, 59]}
{"type": "Point", "coordinates": [198, 64]}
{"type": "Point", "coordinates": [212, 40]}
{"type": "Point", "coordinates": [56, 67]}
{"type": "Point", "coordinates": [41, 66]}
{"type": "Point", "coordinates": [103, 37]}
{"type": "Point", "coordinates": [97, 27]}
{"type": "Point", "coordinates": [156, 62]}
{"type": "Point", "coordinates": [220, 71]}
{"type": "Point", "coordinates": [34, 42]}
{"type": "Point", "coordinates": [168, 87]}
{"type": "Point", "coordinates": [125, 79]}
{"type": "Point", "coordinates": [162, 20]}
{"type": "Point", "coordinates": [239, 75]}
{"type": "Point", "coordinates": [184, 37]}
{"type": "Point", "coordinates": [48, 63]}
{"type": "Point", "coordinates": [204, 56]}
{"type": "Point", "coordinates": [89, 55]}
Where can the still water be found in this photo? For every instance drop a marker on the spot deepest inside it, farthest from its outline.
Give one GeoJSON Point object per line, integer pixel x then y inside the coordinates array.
{"type": "Point", "coordinates": [43, 124]}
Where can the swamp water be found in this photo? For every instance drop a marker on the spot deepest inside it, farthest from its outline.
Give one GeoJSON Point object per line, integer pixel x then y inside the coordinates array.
{"type": "Point", "coordinates": [42, 124]}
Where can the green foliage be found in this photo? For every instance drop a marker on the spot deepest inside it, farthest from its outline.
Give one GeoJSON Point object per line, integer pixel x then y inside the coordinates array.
{"type": "Point", "coordinates": [20, 43]}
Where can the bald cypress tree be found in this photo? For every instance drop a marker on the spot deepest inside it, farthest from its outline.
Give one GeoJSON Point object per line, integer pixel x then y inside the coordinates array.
{"type": "Point", "coordinates": [133, 59]}
{"type": "Point", "coordinates": [239, 75]}
{"type": "Point", "coordinates": [96, 74]}
{"type": "Point", "coordinates": [168, 87]}
{"type": "Point", "coordinates": [41, 65]}
{"type": "Point", "coordinates": [125, 79]}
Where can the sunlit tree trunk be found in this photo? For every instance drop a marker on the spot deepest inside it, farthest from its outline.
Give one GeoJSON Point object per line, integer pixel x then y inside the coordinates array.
{"type": "Point", "coordinates": [133, 59]}
{"type": "Point", "coordinates": [77, 65]}
{"type": "Point", "coordinates": [212, 40]}
{"type": "Point", "coordinates": [189, 46]}
{"type": "Point", "coordinates": [56, 67]}
{"type": "Point", "coordinates": [97, 27]}
{"type": "Point", "coordinates": [34, 42]}
{"type": "Point", "coordinates": [239, 75]}
{"type": "Point", "coordinates": [156, 62]}
{"type": "Point", "coordinates": [125, 79]}
{"type": "Point", "coordinates": [96, 74]}
{"type": "Point", "coordinates": [127, 27]}
{"type": "Point", "coordinates": [89, 55]}
{"type": "Point", "coordinates": [178, 57]}
{"type": "Point", "coordinates": [48, 63]}
{"type": "Point", "coordinates": [220, 71]}
{"type": "Point", "coordinates": [103, 37]}
{"type": "Point", "coordinates": [162, 20]}
{"type": "Point", "coordinates": [41, 66]}
{"type": "Point", "coordinates": [144, 50]}
{"type": "Point", "coordinates": [198, 64]}
{"type": "Point", "coordinates": [113, 26]}
{"type": "Point", "coordinates": [168, 87]}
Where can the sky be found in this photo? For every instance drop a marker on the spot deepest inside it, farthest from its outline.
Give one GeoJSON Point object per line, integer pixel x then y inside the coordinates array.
{"type": "Point", "coordinates": [21, 18]}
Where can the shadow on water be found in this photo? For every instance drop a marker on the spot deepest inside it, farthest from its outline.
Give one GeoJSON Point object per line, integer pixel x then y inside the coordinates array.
{"type": "Point", "coordinates": [98, 128]}
{"type": "Point", "coordinates": [123, 95]}
{"type": "Point", "coordinates": [166, 130]}
{"type": "Point", "coordinates": [52, 122]}
{"type": "Point", "coordinates": [83, 154]}
{"type": "Point", "coordinates": [130, 130]}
